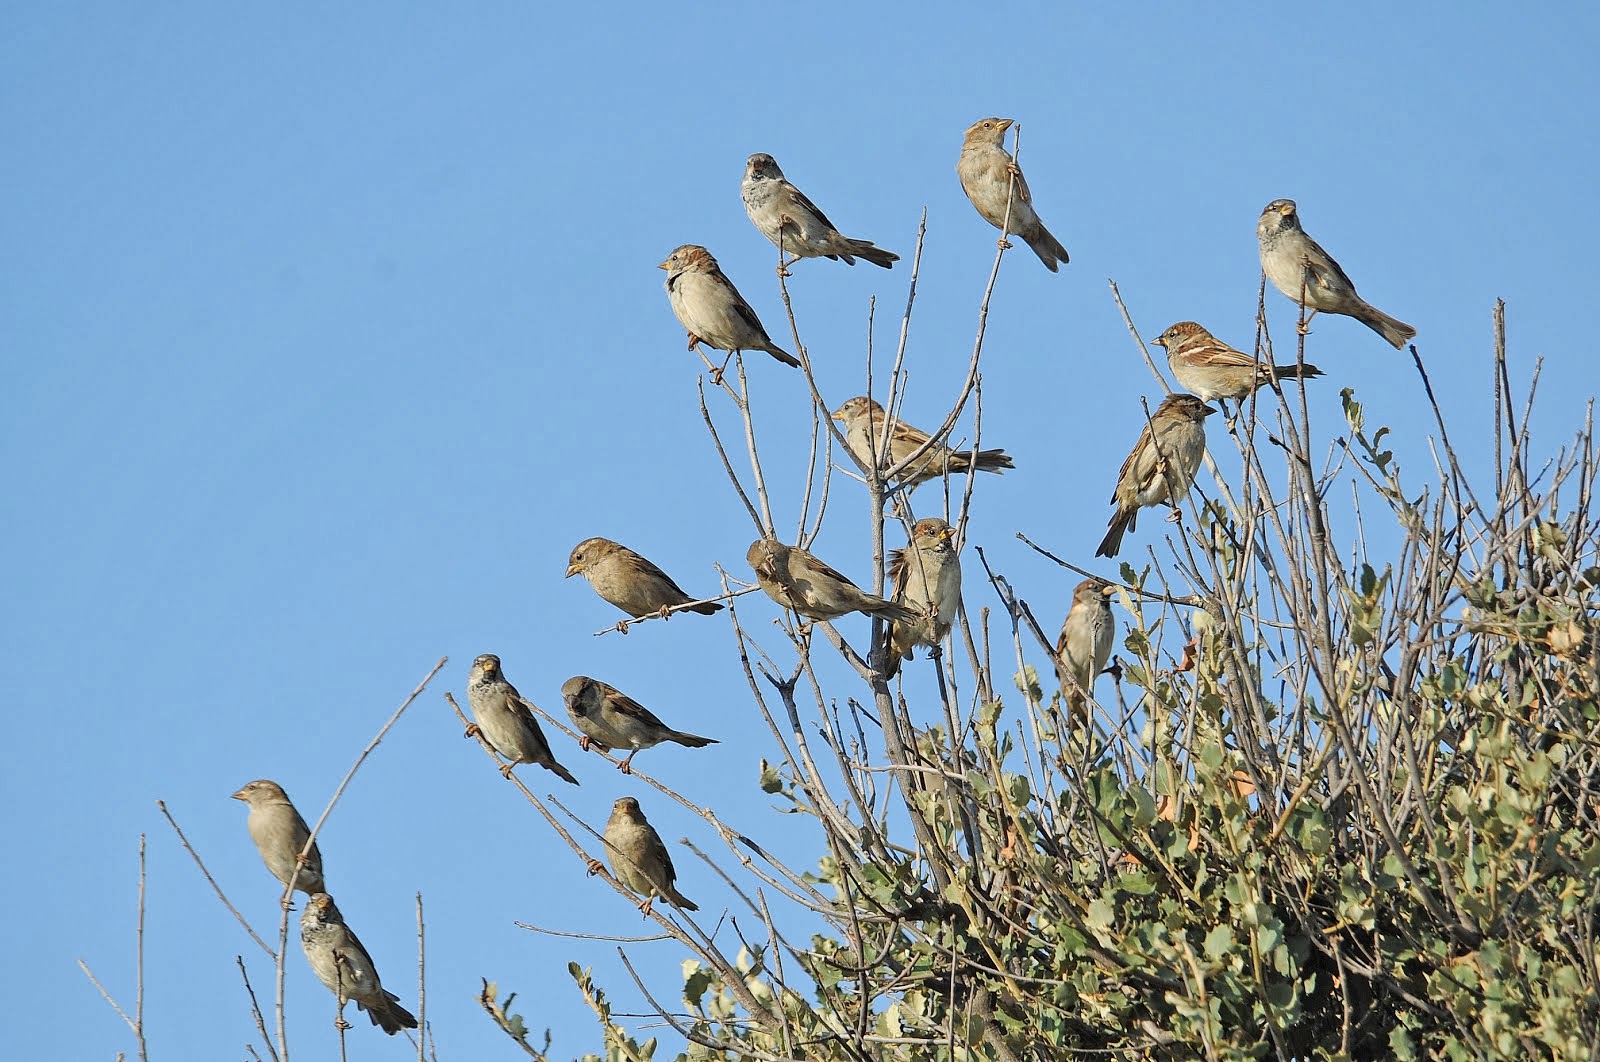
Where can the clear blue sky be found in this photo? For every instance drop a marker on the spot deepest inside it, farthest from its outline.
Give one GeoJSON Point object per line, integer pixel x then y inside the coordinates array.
{"type": "Point", "coordinates": [330, 330]}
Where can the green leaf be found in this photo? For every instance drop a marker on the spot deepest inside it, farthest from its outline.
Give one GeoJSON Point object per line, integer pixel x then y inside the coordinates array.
{"type": "Point", "coordinates": [1219, 942]}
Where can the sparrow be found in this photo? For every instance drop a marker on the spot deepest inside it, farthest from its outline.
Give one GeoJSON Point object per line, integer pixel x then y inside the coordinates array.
{"type": "Point", "coordinates": [280, 833]}
{"type": "Point", "coordinates": [504, 719]}
{"type": "Point", "coordinates": [796, 580]}
{"type": "Point", "coordinates": [629, 581]}
{"type": "Point", "coordinates": [863, 421]}
{"type": "Point", "coordinates": [611, 719]}
{"type": "Point", "coordinates": [1086, 639]}
{"type": "Point", "coordinates": [1210, 369]}
{"type": "Point", "coordinates": [986, 169]}
{"type": "Point", "coordinates": [340, 962]}
{"type": "Point", "coordinates": [639, 859]}
{"type": "Point", "coordinates": [783, 214]}
{"type": "Point", "coordinates": [1289, 256]}
{"type": "Point", "coordinates": [711, 309]}
{"type": "Point", "coordinates": [926, 576]}
{"type": "Point", "coordinates": [1158, 470]}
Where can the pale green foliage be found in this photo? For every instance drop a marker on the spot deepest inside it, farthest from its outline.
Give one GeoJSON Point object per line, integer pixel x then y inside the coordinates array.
{"type": "Point", "coordinates": [1339, 803]}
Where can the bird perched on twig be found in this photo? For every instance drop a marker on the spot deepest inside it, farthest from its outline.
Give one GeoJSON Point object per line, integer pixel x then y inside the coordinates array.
{"type": "Point", "coordinates": [611, 719]}
{"type": "Point", "coordinates": [1161, 467]}
{"type": "Point", "coordinates": [926, 576]}
{"type": "Point", "coordinates": [1210, 369]}
{"type": "Point", "coordinates": [629, 581]}
{"type": "Point", "coordinates": [711, 309]}
{"type": "Point", "coordinates": [280, 834]}
{"type": "Point", "coordinates": [864, 420]}
{"type": "Point", "coordinates": [639, 859]}
{"type": "Point", "coordinates": [340, 962]}
{"type": "Point", "coordinates": [986, 170]}
{"type": "Point", "coordinates": [1296, 264]}
{"type": "Point", "coordinates": [505, 721]}
{"type": "Point", "coordinates": [1087, 636]}
{"type": "Point", "coordinates": [783, 214]}
{"type": "Point", "coordinates": [795, 579]}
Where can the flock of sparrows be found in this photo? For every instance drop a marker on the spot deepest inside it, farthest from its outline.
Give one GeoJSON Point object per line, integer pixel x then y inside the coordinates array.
{"type": "Point", "coordinates": [925, 575]}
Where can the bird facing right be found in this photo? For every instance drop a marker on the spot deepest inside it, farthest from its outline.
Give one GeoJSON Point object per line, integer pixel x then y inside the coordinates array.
{"type": "Point", "coordinates": [783, 214]}
{"type": "Point", "coordinates": [280, 833]}
{"type": "Point", "coordinates": [797, 580]}
{"type": "Point", "coordinates": [340, 962]}
{"type": "Point", "coordinates": [1087, 636]}
{"type": "Point", "coordinates": [1293, 261]}
{"type": "Point", "coordinates": [628, 580]}
{"type": "Point", "coordinates": [986, 170]}
{"type": "Point", "coordinates": [711, 309]}
{"type": "Point", "coordinates": [864, 430]}
{"type": "Point", "coordinates": [611, 719]}
{"type": "Point", "coordinates": [504, 720]}
{"type": "Point", "coordinates": [1161, 467]}
{"type": "Point", "coordinates": [927, 576]}
{"type": "Point", "coordinates": [639, 859]}
{"type": "Point", "coordinates": [1210, 369]}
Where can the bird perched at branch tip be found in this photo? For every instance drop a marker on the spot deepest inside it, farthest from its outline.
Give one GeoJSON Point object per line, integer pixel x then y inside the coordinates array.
{"type": "Point", "coordinates": [987, 171]}
{"type": "Point", "coordinates": [340, 962]}
{"type": "Point", "coordinates": [629, 581]}
{"type": "Point", "coordinates": [1296, 264]}
{"type": "Point", "coordinates": [783, 214]}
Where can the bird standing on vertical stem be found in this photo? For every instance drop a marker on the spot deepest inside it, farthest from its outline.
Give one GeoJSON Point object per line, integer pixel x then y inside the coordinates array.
{"type": "Point", "coordinates": [926, 575]}
{"type": "Point", "coordinates": [1298, 266]}
{"type": "Point", "coordinates": [1087, 636]}
{"type": "Point", "coordinates": [987, 170]}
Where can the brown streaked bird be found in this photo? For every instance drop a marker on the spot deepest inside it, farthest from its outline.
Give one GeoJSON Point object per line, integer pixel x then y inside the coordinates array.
{"type": "Point", "coordinates": [1294, 262]}
{"type": "Point", "coordinates": [1159, 469]}
{"type": "Point", "coordinates": [611, 719]}
{"type": "Point", "coordinates": [711, 309]}
{"type": "Point", "coordinates": [863, 421]}
{"type": "Point", "coordinates": [783, 214]}
{"type": "Point", "coordinates": [505, 721]}
{"type": "Point", "coordinates": [986, 169]}
{"type": "Point", "coordinates": [628, 580]}
{"type": "Point", "coordinates": [1209, 369]}
{"type": "Point", "coordinates": [340, 962]}
{"type": "Point", "coordinates": [797, 580]}
{"type": "Point", "coordinates": [639, 859]}
{"type": "Point", "coordinates": [926, 576]}
{"type": "Point", "coordinates": [1087, 637]}
{"type": "Point", "coordinates": [280, 834]}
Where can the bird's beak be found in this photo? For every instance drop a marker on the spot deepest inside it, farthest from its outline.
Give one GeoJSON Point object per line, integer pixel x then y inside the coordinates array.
{"type": "Point", "coordinates": [948, 533]}
{"type": "Point", "coordinates": [572, 569]}
{"type": "Point", "coordinates": [1006, 123]}
{"type": "Point", "coordinates": [839, 416]}
{"type": "Point", "coordinates": [1108, 590]}
{"type": "Point", "coordinates": [239, 795]}
{"type": "Point", "coordinates": [1208, 411]}
{"type": "Point", "coordinates": [664, 265]}
{"type": "Point", "coordinates": [1286, 209]}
